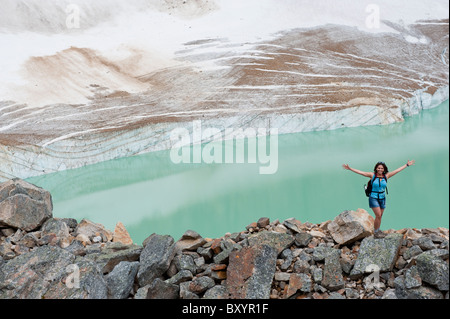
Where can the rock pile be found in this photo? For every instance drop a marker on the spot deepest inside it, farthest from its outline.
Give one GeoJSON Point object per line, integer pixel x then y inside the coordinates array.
{"type": "Point", "coordinates": [46, 257]}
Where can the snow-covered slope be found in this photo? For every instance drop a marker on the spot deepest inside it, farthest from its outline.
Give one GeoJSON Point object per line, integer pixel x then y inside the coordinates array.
{"type": "Point", "coordinates": [86, 81]}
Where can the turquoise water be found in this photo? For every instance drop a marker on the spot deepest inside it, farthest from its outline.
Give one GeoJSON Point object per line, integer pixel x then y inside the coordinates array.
{"type": "Point", "coordinates": [150, 194]}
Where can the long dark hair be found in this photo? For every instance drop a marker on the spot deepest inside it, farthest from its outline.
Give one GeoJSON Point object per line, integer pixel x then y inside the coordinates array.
{"type": "Point", "coordinates": [384, 166]}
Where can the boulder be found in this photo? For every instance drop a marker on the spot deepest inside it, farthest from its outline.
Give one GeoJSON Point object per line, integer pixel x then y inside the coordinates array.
{"type": "Point", "coordinates": [121, 279]}
{"type": "Point", "coordinates": [24, 205]}
{"type": "Point", "coordinates": [350, 226]}
{"type": "Point", "coordinates": [279, 241]}
{"type": "Point", "coordinates": [49, 272]}
{"type": "Point", "coordinates": [433, 270]}
{"type": "Point", "coordinates": [81, 280]}
{"type": "Point", "coordinates": [29, 276]}
{"type": "Point", "coordinates": [112, 254]}
{"type": "Point", "coordinates": [421, 292]}
{"type": "Point", "coordinates": [378, 254]}
{"type": "Point", "coordinates": [251, 271]}
{"type": "Point", "coordinates": [155, 258]}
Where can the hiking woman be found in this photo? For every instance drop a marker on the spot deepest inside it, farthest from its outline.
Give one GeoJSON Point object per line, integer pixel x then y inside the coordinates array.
{"type": "Point", "coordinates": [377, 198]}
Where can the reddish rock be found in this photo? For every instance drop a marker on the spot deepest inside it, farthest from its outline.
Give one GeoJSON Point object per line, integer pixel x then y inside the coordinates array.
{"type": "Point", "coordinates": [250, 272]}
{"type": "Point", "coordinates": [121, 235]}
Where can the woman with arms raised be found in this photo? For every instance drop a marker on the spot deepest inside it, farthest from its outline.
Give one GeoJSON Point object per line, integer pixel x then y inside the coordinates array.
{"type": "Point", "coordinates": [377, 198]}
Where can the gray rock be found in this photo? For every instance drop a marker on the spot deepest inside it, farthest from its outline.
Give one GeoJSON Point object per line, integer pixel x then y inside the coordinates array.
{"type": "Point", "coordinates": [92, 284]}
{"type": "Point", "coordinates": [155, 258]}
{"type": "Point", "coordinates": [185, 262]}
{"type": "Point", "coordinates": [347, 264]}
{"type": "Point", "coordinates": [77, 248]}
{"type": "Point", "coordinates": [389, 294]}
{"type": "Point", "coordinates": [120, 280]}
{"type": "Point", "coordinates": [251, 271]}
{"type": "Point", "coordinates": [223, 256]}
{"type": "Point", "coordinates": [160, 289]}
{"type": "Point", "coordinates": [259, 284]}
{"type": "Point", "coordinates": [381, 253]}
{"type": "Point", "coordinates": [288, 257]}
{"type": "Point", "coordinates": [292, 224]}
{"type": "Point", "coordinates": [321, 252]}
{"type": "Point", "coordinates": [216, 292]}
{"type": "Point", "coordinates": [440, 253]}
{"type": "Point", "coordinates": [351, 293]}
{"type": "Point", "coordinates": [29, 276]}
{"type": "Point", "coordinates": [412, 278]}
{"type": "Point", "coordinates": [412, 252]}
{"type": "Point", "coordinates": [181, 276]}
{"type": "Point", "coordinates": [112, 254]}
{"type": "Point", "coordinates": [205, 252]}
{"type": "Point", "coordinates": [318, 275]}
{"type": "Point", "coordinates": [301, 266]}
{"type": "Point", "coordinates": [424, 243]}
{"type": "Point", "coordinates": [400, 288]}
{"type": "Point", "coordinates": [142, 292]}
{"type": "Point", "coordinates": [422, 292]}
{"type": "Point", "coordinates": [302, 239]}
{"type": "Point", "coordinates": [23, 205]}
{"type": "Point", "coordinates": [336, 295]}
{"type": "Point", "coordinates": [185, 293]}
{"type": "Point", "coordinates": [332, 273]}
{"type": "Point", "coordinates": [201, 284]}
{"type": "Point", "coordinates": [433, 270]}
{"type": "Point", "coordinates": [55, 226]}
{"type": "Point", "coordinates": [50, 272]}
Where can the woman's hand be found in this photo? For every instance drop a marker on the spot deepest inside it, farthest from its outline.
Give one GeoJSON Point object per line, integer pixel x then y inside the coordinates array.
{"type": "Point", "coordinates": [345, 166]}
{"type": "Point", "coordinates": [409, 163]}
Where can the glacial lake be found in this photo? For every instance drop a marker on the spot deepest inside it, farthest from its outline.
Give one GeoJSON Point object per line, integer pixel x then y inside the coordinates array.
{"type": "Point", "coordinates": [150, 194]}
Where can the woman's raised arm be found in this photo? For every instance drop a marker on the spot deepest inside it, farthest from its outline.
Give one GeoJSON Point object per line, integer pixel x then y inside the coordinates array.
{"type": "Point", "coordinates": [357, 171]}
{"type": "Point", "coordinates": [401, 168]}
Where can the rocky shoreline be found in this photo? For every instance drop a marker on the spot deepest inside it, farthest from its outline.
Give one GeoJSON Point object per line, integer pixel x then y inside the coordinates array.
{"type": "Point", "coordinates": [42, 257]}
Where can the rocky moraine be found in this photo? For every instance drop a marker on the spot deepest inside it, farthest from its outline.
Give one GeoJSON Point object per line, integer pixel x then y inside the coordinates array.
{"type": "Point", "coordinates": [42, 256]}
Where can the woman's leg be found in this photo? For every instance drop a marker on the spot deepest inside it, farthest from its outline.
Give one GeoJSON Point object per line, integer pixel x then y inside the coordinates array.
{"type": "Point", "coordinates": [378, 214]}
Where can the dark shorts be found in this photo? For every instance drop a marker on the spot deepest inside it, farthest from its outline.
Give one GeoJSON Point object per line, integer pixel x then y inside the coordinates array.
{"type": "Point", "coordinates": [375, 202]}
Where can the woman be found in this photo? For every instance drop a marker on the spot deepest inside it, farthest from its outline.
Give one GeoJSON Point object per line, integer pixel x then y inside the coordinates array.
{"type": "Point", "coordinates": [377, 198]}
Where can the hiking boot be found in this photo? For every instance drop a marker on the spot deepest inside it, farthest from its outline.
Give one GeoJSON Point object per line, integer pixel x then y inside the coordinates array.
{"type": "Point", "coordinates": [379, 234]}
